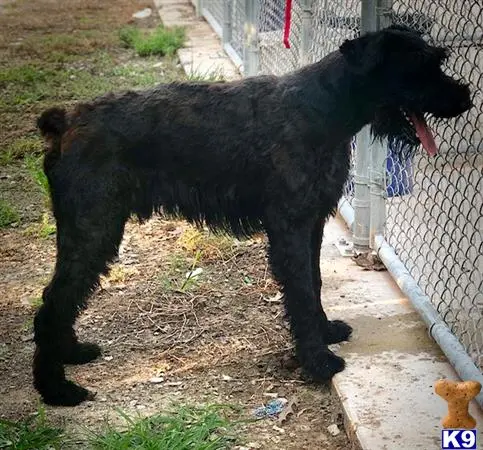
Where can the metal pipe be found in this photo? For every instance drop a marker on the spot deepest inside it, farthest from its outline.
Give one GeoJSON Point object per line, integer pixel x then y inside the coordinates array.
{"type": "Point", "coordinates": [438, 330]}
{"type": "Point", "coordinates": [361, 200]}
{"type": "Point", "coordinates": [346, 211]}
{"type": "Point", "coordinates": [377, 190]}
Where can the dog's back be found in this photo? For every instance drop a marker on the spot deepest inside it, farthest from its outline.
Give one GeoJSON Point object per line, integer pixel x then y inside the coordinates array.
{"type": "Point", "coordinates": [173, 148]}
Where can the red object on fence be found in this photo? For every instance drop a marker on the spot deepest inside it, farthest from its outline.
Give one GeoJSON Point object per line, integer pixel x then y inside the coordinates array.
{"type": "Point", "coordinates": [288, 19]}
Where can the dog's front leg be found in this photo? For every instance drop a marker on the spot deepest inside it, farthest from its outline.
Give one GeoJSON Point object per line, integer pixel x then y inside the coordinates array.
{"type": "Point", "coordinates": [292, 261]}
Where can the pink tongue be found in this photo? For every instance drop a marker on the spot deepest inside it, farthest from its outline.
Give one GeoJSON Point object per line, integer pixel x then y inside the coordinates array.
{"type": "Point", "coordinates": [424, 135]}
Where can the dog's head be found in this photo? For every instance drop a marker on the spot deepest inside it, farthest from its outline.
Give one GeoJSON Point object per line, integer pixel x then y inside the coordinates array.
{"type": "Point", "coordinates": [403, 75]}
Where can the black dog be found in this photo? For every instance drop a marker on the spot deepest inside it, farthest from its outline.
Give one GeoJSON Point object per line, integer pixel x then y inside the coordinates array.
{"type": "Point", "coordinates": [265, 153]}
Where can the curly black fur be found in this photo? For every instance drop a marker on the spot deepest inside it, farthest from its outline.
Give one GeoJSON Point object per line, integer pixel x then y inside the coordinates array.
{"type": "Point", "coordinates": [265, 153]}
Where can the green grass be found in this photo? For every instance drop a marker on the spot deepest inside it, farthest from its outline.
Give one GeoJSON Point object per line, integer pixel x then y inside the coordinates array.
{"type": "Point", "coordinates": [22, 85]}
{"type": "Point", "coordinates": [29, 434]}
{"type": "Point", "coordinates": [21, 147]}
{"type": "Point", "coordinates": [23, 74]}
{"type": "Point", "coordinates": [185, 428]}
{"type": "Point", "coordinates": [36, 171]}
{"type": "Point", "coordinates": [8, 214]}
{"type": "Point", "coordinates": [36, 302]}
{"type": "Point", "coordinates": [31, 85]}
{"type": "Point", "coordinates": [162, 41]}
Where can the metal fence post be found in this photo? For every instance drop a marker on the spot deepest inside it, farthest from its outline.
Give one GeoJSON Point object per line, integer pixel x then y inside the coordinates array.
{"type": "Point", "coordinates": [360, 227]}
{"type": "Point", "coordinates": [198, 4]}
{"type": "Point", "coordinates": [306, 38]}
{"type": "Point", "coordinates": [227, 25]}
{"type": "Point", "coordinates": [384, 9]}
{"type": "Point", "coordinates": [377, 190]}
{"type": "Point", "coordinates": [361, 202]}
{"type": "Point", "coordinates": [250, 50]}
{"type": "Point", "coordinates": [379, 16]}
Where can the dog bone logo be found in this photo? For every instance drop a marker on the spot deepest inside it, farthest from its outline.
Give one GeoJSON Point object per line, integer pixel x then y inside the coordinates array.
{"type": "Point", "coordinates": [458, 395]}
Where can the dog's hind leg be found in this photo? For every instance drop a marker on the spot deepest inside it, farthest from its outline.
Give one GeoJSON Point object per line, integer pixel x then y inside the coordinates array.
{"type": "Point", "coordinates": [292, 261]}
{"type": "Point", "coordinates": [337, 330]}
{"type": "Point", "coordinates": [89, 231]}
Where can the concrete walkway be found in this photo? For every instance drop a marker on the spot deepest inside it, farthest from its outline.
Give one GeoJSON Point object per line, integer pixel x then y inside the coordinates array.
{"type": "Point", "coordinates": [203, 54]}
{"type": "Point", "coordinates": [387, 389]}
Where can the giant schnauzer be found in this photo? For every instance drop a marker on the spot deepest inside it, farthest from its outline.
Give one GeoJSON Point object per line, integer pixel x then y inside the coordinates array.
{"type": "Point", "coordinates": [266, 153]}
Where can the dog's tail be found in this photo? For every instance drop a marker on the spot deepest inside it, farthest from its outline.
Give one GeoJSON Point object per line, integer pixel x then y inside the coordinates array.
{"type": "Point", "coordinates": [52, 124]}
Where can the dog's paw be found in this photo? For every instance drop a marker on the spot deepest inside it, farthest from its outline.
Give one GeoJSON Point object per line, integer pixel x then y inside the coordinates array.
{"type": "Point", "coordinates": [322, 365]}
{"type": "Point", "coordinates": [67, 394]}
{"type": "Point", "coordinates": [82, 353]}
{"type": "Point", "coordinates": [338, 331]}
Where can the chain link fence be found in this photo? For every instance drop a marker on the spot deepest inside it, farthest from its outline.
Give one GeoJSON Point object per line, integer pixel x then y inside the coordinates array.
{"type": "Point", "coordinates": [273, 56]}
{"type": "Point", "coordinates": [333, 22]}
{"type": "Point", "coordinates": [237, 22]}
{"type": "Point", "coordinates": [214, 13]}
{"type": "Point", "coordinates": [433, 208]}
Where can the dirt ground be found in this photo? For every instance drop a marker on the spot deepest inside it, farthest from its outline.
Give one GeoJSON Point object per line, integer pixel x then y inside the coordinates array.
{"type": "Point", "coordinates": [219, 337]}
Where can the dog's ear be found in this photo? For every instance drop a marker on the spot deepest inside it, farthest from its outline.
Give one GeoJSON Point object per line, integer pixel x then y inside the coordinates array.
{"type": "Point", "coordinates": [363, 54]}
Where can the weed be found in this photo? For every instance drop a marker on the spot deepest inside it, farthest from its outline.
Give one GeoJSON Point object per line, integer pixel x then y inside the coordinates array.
{"type": "Point", "coordinates": [191, 278]}
{"type": "Point", "coordinates": [32, 433]}
{"type": "Point", "coordinates": [8, 214]}
{"type": "Point", "coordinates": [117, 274]}
{"type": "Point", "coordinates": [162, 41]}
{"type": "Point", "coordinates": [215, 75]}
{"type": "Point", "coordinates": [181, 274]}
{"type": "Point", "coordinates": [47, 228]}
{"type": "Point", "coordinates": [210, 246]}
{"type": "Point", "coordinates": [43, 229]}
{"type": "Point", "coordinates": [200, 428]}
{"type": "Point", "coordinates": [129, 36]}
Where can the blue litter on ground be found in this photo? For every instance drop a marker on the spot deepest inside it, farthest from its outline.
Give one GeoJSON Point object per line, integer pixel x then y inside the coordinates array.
{"type": "Point", "coordinates": [272, 408]}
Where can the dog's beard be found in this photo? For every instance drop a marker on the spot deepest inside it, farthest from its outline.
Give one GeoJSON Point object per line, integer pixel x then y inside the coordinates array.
{"type": "Point", "coordinates": [405, 131]}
